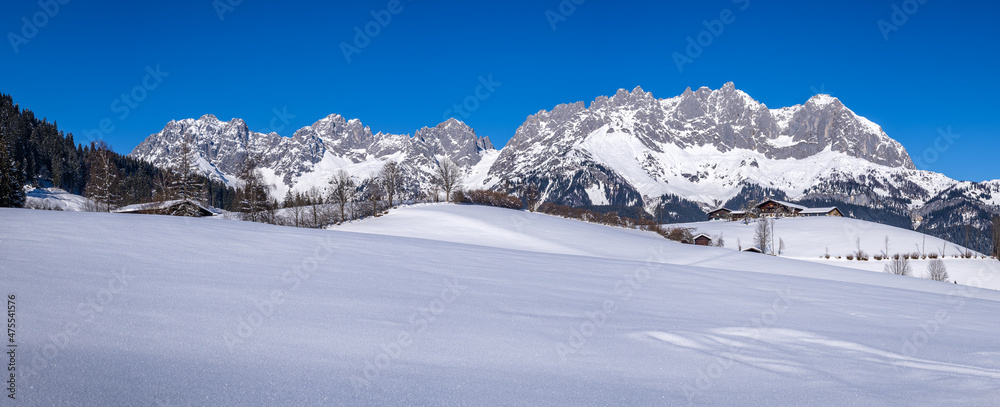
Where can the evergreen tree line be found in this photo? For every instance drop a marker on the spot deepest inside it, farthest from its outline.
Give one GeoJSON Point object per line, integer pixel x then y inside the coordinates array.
{"type": "Point", "coordinates": [35, 152]}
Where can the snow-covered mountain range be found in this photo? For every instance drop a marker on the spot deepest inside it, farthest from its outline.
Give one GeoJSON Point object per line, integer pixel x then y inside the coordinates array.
{"type": "Point", "coordinates": [314, 153]}
{"type": "Point", "coordinates": [686, 154]}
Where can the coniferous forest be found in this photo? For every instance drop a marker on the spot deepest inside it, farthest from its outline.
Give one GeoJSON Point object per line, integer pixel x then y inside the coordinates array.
{"type": "Point", "coordinates": [35, 152]}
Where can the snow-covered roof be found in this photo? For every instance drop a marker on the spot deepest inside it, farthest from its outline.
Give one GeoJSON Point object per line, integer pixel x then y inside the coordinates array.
{"type": "Point", "coordinates": [788, 204]}
{"type": "Point", "coordinates": [702, 234]}
{"type": "Point", "coordinates": [154, 206]}
{"type": "Point", "coordinates": [721, 209]}
{"type": "Point", "coordinates": [819, 210]}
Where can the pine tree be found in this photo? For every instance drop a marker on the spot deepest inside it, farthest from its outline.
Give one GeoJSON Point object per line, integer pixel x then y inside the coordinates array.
{"type": "Point", "coordinates": [253, 197]}
{"type": "Point", "coordinates": [11, 179]}
{"type": "Point", "coordinates": [104, 181]}
{"type": "Point", "coordinates": [186, 186]}
{"type": "Point", "coordinates": [996, 236]}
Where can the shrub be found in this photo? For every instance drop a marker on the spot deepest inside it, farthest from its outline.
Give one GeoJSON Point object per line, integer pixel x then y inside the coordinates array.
{"type": "Point", "coordinates": [849, 257]}
{"type": "Point", "coordinates": [914, 255]}
{"type": "Point", "coordinates": [878, 257]}
{"type": "Point", "coordinates": [899, 267]}
{"type": "Point", "coordinates": [937, 271]}
{"type": "Point", "coordinates": [932, 256]}
{"type": "Point", "coordinates": [488, 198]}
{"type": "Point", "coordinates": [678, 234]}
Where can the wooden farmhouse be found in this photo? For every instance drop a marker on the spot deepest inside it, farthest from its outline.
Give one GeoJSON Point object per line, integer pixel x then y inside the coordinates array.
{"type": "Point", "coordinates": [703, 240]}
{"type": "Point", "coordinates": [720, 214]}
{"type": "Point", "coordinates": [774, 208]}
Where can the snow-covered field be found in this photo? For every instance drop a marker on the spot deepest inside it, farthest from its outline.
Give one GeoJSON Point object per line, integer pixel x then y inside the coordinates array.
{"type": "Point", "coordinates": [810, 238]}
{"type": "Point", "coordinates": [520, 309]}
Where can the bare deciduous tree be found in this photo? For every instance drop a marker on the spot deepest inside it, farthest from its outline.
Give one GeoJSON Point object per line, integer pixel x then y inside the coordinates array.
{"type": "Point", "coordinates": [448, 176]}
{"type": "Point", "coordinates": [531, 196]}
{"type": "Point", "coordinates": [316, 207]}
{"type": "Point", "coordinates": [937, 271]}
{"type": "Point", "coordinates": [899, 266]}
{"type": "Point", "coordinates": [375, 193]}
{"type": "Point", "coordinates": [860, 253]}
{"type": "Point", "coordinates": [343, 191]}
{"type": "Point", "coordinates": [392, 180]}
{"type": "Point", "coordinates": [762, 235]}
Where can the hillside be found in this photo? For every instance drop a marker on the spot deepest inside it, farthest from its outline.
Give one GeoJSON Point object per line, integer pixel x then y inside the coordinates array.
{"type": "Point", "coordinates": [806, 239]}
{"type": "Point", "coordinates": [809, 239]}
{"type": "Point", "coordinates": [149, 310]}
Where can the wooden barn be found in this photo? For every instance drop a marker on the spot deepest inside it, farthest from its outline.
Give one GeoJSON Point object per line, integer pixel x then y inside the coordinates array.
{"type": "Point", "coordinates": [753, 250]}
{"type": "Point", "coordinates": [174, 208]}
{"type": "Point", "coordinates": [703, 240]}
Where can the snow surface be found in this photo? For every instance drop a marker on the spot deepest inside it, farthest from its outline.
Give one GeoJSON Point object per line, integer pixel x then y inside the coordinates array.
{"type": "Point", "coordinates": [216, 312]}
{"type": "Point", "coordinates": [57, 198]}
{"type": "Point", "coordinates": [808, 238]}
{"type": "Point", "coordinates": [476, 178]}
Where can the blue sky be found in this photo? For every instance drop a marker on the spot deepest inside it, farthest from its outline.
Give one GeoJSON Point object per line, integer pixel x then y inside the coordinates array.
{"type": "Point", "coordinates": [280, 65]}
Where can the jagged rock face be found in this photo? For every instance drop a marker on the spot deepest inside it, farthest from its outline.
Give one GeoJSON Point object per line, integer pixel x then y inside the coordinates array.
{"type": "Point", "coordinates": [224, 147]}
{"type": "Point", "coordinates": [576, 139]}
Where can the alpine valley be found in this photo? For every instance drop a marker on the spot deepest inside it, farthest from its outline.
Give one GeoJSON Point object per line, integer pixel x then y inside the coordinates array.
{"type": "Point", "coordinates": [673, 158]}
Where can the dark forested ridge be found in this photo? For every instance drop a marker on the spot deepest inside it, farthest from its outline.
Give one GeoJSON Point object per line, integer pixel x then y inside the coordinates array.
{"type": "Point", "coordinates": [35, 152]}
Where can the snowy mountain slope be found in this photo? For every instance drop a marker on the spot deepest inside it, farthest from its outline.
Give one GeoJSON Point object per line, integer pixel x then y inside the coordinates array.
{"type": "Point", "coordinates": [171, 311]}
{"type": "Point", "coordinates": [705, 146]}
{"type": "Point", "coordinates": [314, 153]}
